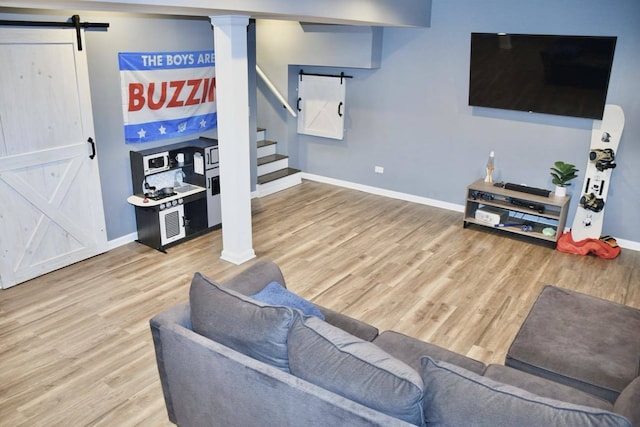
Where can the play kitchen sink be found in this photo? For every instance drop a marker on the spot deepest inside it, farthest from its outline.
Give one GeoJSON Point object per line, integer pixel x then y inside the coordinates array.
{"type": "Point", "coordinates": [185, 187]}
{"type": "Point", "coordinates": [176, 192]}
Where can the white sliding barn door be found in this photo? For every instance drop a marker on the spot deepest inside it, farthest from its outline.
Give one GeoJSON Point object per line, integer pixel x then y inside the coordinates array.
{"type": "Point", "coordinates": [51, 213]}
{"type": "Point", "coordinates": [321, 106]}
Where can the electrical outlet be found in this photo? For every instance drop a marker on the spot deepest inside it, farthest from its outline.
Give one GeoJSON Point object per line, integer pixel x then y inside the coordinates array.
{"type": "Point", "coordinates": [378, 169]}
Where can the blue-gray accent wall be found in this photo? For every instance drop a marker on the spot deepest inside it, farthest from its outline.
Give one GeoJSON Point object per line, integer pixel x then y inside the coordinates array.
{"type": "Point", "coordinates": [411, 115]}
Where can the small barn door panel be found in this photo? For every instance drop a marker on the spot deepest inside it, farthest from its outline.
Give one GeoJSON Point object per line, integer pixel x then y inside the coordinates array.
{"type": "Point", "coordinates": [52, 212]}
{"type": "Point", "coordinates": [321, 105]}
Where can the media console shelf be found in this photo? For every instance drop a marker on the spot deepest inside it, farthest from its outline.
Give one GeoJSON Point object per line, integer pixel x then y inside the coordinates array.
{"type": "Point", "coordinates": [517, 208]}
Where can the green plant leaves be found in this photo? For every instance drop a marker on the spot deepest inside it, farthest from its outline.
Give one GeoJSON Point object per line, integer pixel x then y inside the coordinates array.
{"type": "Point", "coordinates": [562, 173]}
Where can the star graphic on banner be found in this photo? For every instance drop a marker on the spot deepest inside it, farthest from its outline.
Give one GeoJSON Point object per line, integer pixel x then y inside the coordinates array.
{"type": "Point", "coordinates": [163, 130]}
{"type": "Point", "coordinates": [182, 127]}
{"type": "Point", "coordinates": [203, 123]}
{"type": "Point", "coordinates": [142, 133]}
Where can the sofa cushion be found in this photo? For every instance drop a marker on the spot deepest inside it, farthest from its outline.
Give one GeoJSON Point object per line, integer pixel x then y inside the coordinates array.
{"type": "Point", "coordinates": [628, 403]}
{"type": "Point", "coordinates": [356, 369]}
{"type": "Point", "coordinates": [543, 387]}
{"type": "Point", "coordinates": [353, 326]}
{"type": "Point", "coordinates": [453, 396]}
{"type": "Point", "coordinates": [239, 322]}
{"type": "Point", "coordinates": [411, 350]}
{"type": "Point", "coordinates": [253, 278]}
{"type": "Point", "coordinates": [275, 294]}
{"type": "Point", "coordinates": [584, 342]}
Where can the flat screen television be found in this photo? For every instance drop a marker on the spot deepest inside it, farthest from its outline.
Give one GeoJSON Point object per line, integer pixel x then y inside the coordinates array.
{"type": "Point", "coordinates": [551, 74]}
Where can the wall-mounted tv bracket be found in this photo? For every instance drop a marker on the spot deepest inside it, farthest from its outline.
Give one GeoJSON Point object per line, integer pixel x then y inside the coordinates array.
{"type": "Point", "coordinates": [75, 23]}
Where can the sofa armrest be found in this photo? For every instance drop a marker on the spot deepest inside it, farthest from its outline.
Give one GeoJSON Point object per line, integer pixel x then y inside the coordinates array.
{"type": "Point", "coordinates": [177, 315]}
{"type": "Point", "coordinates": [251, 280]}
{"type": "Point", "coordinates": [348, 324]}
{"type": "Point", "coordinates": [627, 403]}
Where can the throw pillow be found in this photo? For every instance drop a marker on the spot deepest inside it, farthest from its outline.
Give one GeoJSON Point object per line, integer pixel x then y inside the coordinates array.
{"type": "Point", "coordinates": [455, 397]}
{"type": "Point", "coordinates": [276, 294]}
{"type": "Point", "coordinates": [239, 322]}
{"type": "Point", "coordinates": [358, 370]}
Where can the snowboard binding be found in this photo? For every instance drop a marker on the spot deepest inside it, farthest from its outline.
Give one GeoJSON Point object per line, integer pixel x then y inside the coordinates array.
{"type": "Point", "coordinates": [591, 202]}
{"type": "Point", "coordinates": [603, 158]}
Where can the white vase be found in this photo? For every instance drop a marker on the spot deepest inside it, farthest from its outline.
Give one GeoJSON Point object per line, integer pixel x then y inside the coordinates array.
{"type": "Point", "coordinates": [561, 191]}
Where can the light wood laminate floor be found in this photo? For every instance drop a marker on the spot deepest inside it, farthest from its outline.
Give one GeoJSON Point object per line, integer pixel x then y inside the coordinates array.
{"type": "Point", "coordinates": [75, 347]}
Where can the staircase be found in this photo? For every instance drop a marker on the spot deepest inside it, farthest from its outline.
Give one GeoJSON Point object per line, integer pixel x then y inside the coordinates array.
{"type": "Point", "coordinates": [274, 173]}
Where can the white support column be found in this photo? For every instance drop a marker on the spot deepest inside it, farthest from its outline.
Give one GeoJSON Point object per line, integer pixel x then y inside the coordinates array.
{"type": "Point", "coordinates": [232, 91]}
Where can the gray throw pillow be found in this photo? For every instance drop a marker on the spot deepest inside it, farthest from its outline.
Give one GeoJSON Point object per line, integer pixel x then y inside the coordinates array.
{"type": "Point", "coordinates": [457, 397]}
{"type": "Point", "coordinates": [358, 370]}
{"type": "Point", "coordinates": [239, 322]}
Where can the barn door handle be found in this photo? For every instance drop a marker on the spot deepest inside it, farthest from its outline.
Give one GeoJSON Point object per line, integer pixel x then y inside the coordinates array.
{"type": "Point", "coordinates": [340, 109]}
{"type": "Point", "coordinates": [298, 104]}
{"type": "Point", "coordinates": [93, 148]}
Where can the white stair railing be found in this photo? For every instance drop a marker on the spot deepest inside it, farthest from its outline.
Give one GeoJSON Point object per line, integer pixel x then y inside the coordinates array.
{"type": "Point", "coordinates": [275, 91]}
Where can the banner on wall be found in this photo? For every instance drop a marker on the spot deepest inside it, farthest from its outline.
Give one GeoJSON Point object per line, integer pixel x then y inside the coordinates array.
{"type": "Point", "coordinates": [167, 94]}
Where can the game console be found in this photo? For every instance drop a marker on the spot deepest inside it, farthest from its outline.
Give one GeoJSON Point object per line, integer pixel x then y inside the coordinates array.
{"type": "Point", "coordinates": [491, 216]}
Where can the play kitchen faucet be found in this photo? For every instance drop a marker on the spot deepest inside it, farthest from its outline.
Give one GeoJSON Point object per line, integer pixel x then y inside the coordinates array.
{"type": "Point", "coordinates": [179, 178]}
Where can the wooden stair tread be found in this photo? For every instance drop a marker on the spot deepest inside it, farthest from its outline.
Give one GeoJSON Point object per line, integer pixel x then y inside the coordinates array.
{"type": "Point", "coordinates": [263, 179]}
{"type": "Point", "coordinates": [270, 159]}
{"type": "Point", "coordinates": [265, 142]}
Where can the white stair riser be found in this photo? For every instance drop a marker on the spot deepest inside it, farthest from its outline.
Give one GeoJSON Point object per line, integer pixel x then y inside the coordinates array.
{"type": "Point", "coordinates": [273, 166]}
{"type": "Point", "coordinates": [267, 150]}
{"type": "Point", "coordinates": [261, 135]}
{"type": "Point", "coordinates": [278, 185]}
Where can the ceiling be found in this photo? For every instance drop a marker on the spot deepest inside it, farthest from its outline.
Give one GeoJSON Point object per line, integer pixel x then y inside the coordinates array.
{"type": "Point", "coordinates": [388, 13]}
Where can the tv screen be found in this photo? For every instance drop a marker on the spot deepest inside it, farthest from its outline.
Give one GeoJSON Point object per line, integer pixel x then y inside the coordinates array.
{"type": "Point", "coordinates": [551, 74]}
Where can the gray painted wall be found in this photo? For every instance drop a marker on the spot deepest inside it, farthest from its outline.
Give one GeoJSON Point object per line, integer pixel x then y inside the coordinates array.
{"type": "Point", "coordinates": [411, 115]}
{"type": "Point", "coordinates": [131, 33]}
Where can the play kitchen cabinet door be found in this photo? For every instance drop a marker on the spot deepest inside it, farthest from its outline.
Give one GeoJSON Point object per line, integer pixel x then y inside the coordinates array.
{"type": "Point", "coordinates": [172, 224]}
{"type": "Point", "coordinates": [168, 223]}
{"type": "Point", "coordinates": [212, 179]}
{"type": "Point", "coordinates": [214, 213]}
{"type": "Point", "coordinates": [158, 227]}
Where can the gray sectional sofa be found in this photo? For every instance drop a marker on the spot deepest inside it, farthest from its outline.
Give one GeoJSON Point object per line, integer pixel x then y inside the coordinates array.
{"type": "Point", "coordinates": [236, 355]}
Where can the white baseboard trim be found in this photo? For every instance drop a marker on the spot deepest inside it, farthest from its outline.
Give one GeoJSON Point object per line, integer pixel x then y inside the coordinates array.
{"type": "Point", "coordinates": [625, 244]}
{"type": "Point", "coordinates": [628, 244]}
{"type": "Point", "coordinates": [237, 258]}
{"type": "Point", "coordinates": [121, 241]}
{"type": "Point", "coordinates": [387, 193]}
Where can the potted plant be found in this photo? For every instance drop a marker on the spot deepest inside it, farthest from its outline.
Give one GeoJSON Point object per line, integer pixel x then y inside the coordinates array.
{"type": "Point", "coordinates": [562, 173]}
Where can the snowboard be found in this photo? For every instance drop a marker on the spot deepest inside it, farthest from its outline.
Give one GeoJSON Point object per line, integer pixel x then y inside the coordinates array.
{"type": "Point", "coordinates": [605, 138]}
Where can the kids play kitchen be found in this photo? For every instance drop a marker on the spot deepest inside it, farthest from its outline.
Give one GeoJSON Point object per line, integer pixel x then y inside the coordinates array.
{"type": "Point", "coordinates": [176, 192]}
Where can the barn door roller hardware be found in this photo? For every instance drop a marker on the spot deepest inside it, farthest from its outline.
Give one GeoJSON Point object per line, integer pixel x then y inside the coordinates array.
{"type": "Point", "coordinates": [75, 23]}
{"type": "Point", "coordinates": [337, 76]}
